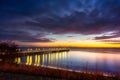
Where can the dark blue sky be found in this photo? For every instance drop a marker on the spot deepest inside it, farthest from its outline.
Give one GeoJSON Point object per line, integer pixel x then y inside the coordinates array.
{"type": "Point", "coordinates": [40, 20]}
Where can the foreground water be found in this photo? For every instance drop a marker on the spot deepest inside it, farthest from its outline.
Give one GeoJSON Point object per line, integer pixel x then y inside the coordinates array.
{"type": "Point", "coordinates": [105, 60]}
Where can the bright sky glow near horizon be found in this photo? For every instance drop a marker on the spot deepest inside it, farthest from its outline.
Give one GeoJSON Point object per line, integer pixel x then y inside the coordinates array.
{"type": "Point", "coordinates": [61, 23]}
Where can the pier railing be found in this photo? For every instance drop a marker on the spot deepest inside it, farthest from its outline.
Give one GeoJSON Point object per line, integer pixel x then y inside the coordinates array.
{"type": "Point", "coordinates": [30, 51]}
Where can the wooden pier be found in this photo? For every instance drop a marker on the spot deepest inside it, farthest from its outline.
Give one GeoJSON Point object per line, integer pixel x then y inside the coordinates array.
{"type": "Point", "coordinates": [43, 51]}
{"type": "Point", "coordinates": [29, 51]}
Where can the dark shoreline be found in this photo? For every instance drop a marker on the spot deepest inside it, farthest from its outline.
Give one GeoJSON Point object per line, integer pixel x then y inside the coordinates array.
{"type": "Point", "coordinates": [54, 73]}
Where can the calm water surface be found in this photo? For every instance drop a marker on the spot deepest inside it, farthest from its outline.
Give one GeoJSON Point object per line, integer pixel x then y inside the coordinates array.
{"type": "Point", "coordinates": [106, 60]}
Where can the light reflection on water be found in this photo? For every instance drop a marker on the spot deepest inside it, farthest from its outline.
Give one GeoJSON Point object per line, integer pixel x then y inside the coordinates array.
{"type": "Point", "coordinates": [76, 60]}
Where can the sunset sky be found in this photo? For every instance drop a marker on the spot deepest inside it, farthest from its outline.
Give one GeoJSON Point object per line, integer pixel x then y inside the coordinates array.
{"type": "Point", "coordinates": [69, 23]}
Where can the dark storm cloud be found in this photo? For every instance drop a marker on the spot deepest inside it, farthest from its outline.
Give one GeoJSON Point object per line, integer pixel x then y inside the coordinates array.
{"type": "Point", "coordinates": [23, 36]}
{"type": "Point", "coordinates": [59, 17]}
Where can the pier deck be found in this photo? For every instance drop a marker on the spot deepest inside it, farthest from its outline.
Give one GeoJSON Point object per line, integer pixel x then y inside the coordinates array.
{"type": "Point", "coordinates": [34, 52]}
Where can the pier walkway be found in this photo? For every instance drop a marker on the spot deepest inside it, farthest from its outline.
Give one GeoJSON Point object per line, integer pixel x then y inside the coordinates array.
{"type": "Point", "coordinates": [43, 51]}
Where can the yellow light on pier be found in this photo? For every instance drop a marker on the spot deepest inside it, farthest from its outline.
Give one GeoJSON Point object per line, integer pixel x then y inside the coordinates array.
{"type": "Point", "coordinates": [19, 60]}
{"type": "Point", "coordinates": [30, 60]}
{"type": "Point", "coordinates": [27, 60]}
{"type": "Point", "coordinates": [38, 60]}
{"type": "Point", "coordinates": [43, 60]}
{"type": "Point", "coordinates": [49, 58]}
{"type": "Point", "coordinates": [35, 60]}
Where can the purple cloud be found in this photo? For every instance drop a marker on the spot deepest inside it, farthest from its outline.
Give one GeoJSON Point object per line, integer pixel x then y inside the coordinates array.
{"type": "Point", "coordinates": [114, 34]}
{"type": "Point", "coordinates": [24, 36]}
{"type": "Point", "coordinates": [57, 17]}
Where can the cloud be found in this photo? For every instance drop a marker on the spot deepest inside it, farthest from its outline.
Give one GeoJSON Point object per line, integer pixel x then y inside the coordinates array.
{"type": "Point", "coordinates": [112, 38]}
{"type": "Point", "coordinates": [108, 35]}
{"type": "Point", "coordinates": [24, 36]}
{"type": "Point", "coordinates": [111, 41]}
{"type": "Point", "coordinates": [84, 20]}
{"type": "Point", "coordinates": [58, 17]}
{"type": "Point", "coordinates": [70, 36]}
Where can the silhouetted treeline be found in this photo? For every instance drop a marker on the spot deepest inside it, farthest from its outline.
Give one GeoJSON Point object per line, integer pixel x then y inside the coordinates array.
{"type": "Point", "coordinates": [8, 47]}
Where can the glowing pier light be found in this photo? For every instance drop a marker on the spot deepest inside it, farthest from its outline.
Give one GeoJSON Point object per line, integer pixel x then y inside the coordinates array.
{"type": "Point", "coordinates": [27, 60]}
{"type": "Point", "coordinates": [35, 60]}
{"type": "Point", "coordinates": [49, 58]}
{"type": "Point", "coordinates": [30, 60]}
{"type": "Point", "coordinates": [18, 60]}
{"type": "Point", "coordinates": [57, 56]}
{"type": "Point", "coordinates": [43, 60]}
{"type": "Point", "coordinates": [38, 60]}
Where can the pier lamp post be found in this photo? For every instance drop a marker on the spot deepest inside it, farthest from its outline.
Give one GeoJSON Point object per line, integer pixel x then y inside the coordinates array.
{"type": "Point", "coordinates": [28, 49]}
{"type": "Point", "coordinates": [18, 50]}
{"type": "Point", "coordinates": [36, 49]}
{"type": "Point", "coordinates": [43, 49]}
